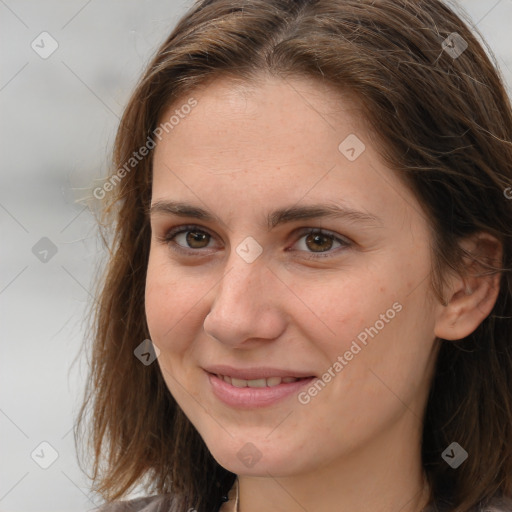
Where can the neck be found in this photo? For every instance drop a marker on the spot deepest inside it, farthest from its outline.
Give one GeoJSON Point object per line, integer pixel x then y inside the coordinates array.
{"type": "Point", "coordinates": [385, 475]}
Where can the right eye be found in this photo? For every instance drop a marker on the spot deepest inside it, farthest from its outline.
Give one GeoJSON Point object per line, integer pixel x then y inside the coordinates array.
{"type": "Point", "coordinates": [187, 239]}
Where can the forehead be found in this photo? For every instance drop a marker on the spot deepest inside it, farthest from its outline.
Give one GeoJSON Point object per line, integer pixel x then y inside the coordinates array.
{"type": "Point", "coordinates": [254, 143]}
{"type": "Point", "coordinates": [271, 120]}
{"type": "Point", "coordinates": [288, 100]}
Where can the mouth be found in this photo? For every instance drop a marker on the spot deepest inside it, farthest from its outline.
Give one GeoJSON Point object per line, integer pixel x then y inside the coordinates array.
{"type": "Point", "coordinates": [240, 393]}
{"type": "Point", "coordinates": [262, 382]}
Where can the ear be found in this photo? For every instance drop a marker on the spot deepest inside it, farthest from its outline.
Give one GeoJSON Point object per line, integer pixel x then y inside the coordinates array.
{"type": "Point", "coordinates": [471, 297]}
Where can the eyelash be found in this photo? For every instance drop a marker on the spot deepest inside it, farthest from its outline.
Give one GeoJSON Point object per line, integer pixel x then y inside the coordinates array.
{"type": "Point", "coordinates": [168, 238]}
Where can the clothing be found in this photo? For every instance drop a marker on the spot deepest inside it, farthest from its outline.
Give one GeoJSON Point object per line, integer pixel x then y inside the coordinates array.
{"type": "Point", "coordinates": [232, 504]}
{"type": "Point", "coordinates": [158, 503]}
{"type": "Point", "coordinates": [162, 503]}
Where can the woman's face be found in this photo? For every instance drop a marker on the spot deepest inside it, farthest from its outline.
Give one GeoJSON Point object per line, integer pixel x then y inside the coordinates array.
{"type": "Point", "coordinates": [249, 283]}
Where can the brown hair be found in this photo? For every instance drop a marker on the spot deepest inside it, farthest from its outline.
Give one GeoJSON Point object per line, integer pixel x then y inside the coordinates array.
{"type": "Point", "coordinates": [443, 122]}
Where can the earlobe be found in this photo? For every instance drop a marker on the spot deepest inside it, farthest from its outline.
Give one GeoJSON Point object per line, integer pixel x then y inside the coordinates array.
{"type": "Point", "coordinates": [471, 298]}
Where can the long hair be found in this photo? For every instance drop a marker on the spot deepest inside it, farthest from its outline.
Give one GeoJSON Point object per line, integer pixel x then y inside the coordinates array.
{"type": "Point", "coordinates": [440, 116]}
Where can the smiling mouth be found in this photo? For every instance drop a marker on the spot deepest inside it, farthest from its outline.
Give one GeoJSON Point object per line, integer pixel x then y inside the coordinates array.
{"type": "Point", "coordinates": [259, 383]}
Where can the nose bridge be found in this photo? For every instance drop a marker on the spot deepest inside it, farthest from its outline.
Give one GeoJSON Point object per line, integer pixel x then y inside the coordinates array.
{"type": "Point", "coordinates": [241, 282]}
{"type": "Point", "coordinates": [240, 307]}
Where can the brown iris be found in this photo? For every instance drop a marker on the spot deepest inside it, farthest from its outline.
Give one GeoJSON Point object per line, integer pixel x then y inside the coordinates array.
{"type": "Point", "coordinates": [317, 238]}
{"type": "Point", "coordinates": [197, 237]}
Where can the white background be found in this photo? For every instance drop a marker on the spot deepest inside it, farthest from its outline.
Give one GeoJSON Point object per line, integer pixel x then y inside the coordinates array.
{"type": "Point", "coordinates": [57, 124]}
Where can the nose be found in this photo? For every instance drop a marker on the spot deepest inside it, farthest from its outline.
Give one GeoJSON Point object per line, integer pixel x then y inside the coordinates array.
{"type": "Point", "coordinates": [246, 305]}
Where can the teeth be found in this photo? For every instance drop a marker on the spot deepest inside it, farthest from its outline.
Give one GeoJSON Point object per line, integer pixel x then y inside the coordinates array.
{"type": "Point", "coordinates": [238, 383]}
{"type": "Point", "coordinates": [274, 381]}
{"type": "Point", "coordinates": [256, 383]}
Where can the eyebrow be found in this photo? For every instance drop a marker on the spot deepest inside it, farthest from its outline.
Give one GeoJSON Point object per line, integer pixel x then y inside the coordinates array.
{"type": "Point", "coordinates": [274, 218]}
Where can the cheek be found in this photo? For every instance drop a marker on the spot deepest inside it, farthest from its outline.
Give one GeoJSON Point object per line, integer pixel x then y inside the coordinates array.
{"type": "Point", "coordinates": [166, 303]}
{"type": "Point", "coordinates": [369, 326]}
{"type": "Point", "coordinates": [175, 304]}
{"type": "Point", "coordinates": [169, 315]}
{"type": "Point", "coordinates": [158, 302]}
{"type": "Point", "coordinates": [340, 308]}
{"type": "Point", "coordinates": [381, 364]}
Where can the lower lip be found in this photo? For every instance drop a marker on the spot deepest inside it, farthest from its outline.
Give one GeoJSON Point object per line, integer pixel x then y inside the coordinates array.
{"type": "Point", "coordinates": [254, 397]}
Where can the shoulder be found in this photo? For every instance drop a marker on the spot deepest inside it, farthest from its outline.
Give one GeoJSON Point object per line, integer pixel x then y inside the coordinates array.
{"type": "Point", "coordinates": [494, 505]}
{"type": "Point", "coordinates": [498, 505]}
{"type": "Point", "coordinates": [157, 503]}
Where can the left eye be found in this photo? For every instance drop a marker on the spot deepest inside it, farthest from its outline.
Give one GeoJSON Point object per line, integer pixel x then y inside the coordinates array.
{"type": "Point", "coordinates": [189, 238]}
{"type": "Point", "coordinates": [318, 241]}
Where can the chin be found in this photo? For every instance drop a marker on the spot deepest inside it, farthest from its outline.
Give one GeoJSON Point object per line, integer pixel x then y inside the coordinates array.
{"type": "Point", "coordinates": [262, 467]}
{"type": "Point", "coordinates": [251, 458]}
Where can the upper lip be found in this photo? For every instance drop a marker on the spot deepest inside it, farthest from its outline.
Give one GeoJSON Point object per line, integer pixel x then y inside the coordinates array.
{"type": "Point", "coordinates": [255, 372]}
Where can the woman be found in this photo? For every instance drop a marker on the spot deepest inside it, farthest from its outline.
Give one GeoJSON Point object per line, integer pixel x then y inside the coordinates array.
{"type": "Point", "coordinates": [308, 299]}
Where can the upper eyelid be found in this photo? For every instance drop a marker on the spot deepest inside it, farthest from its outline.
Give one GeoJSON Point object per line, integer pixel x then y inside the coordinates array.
{"type": "Point", "coordinates": [188, 227]}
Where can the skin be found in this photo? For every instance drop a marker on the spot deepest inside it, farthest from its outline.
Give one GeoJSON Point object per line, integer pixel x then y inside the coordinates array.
{"type": "Point", "coordinates": [240, 153]}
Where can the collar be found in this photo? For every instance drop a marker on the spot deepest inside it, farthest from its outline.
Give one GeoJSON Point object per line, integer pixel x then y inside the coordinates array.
{"type": "Point", "coordinates": [232, 504]}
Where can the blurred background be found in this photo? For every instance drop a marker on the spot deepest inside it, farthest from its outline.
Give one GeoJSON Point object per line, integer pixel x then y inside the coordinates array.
{"type": "Point", "coordinates": [66, 72]}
